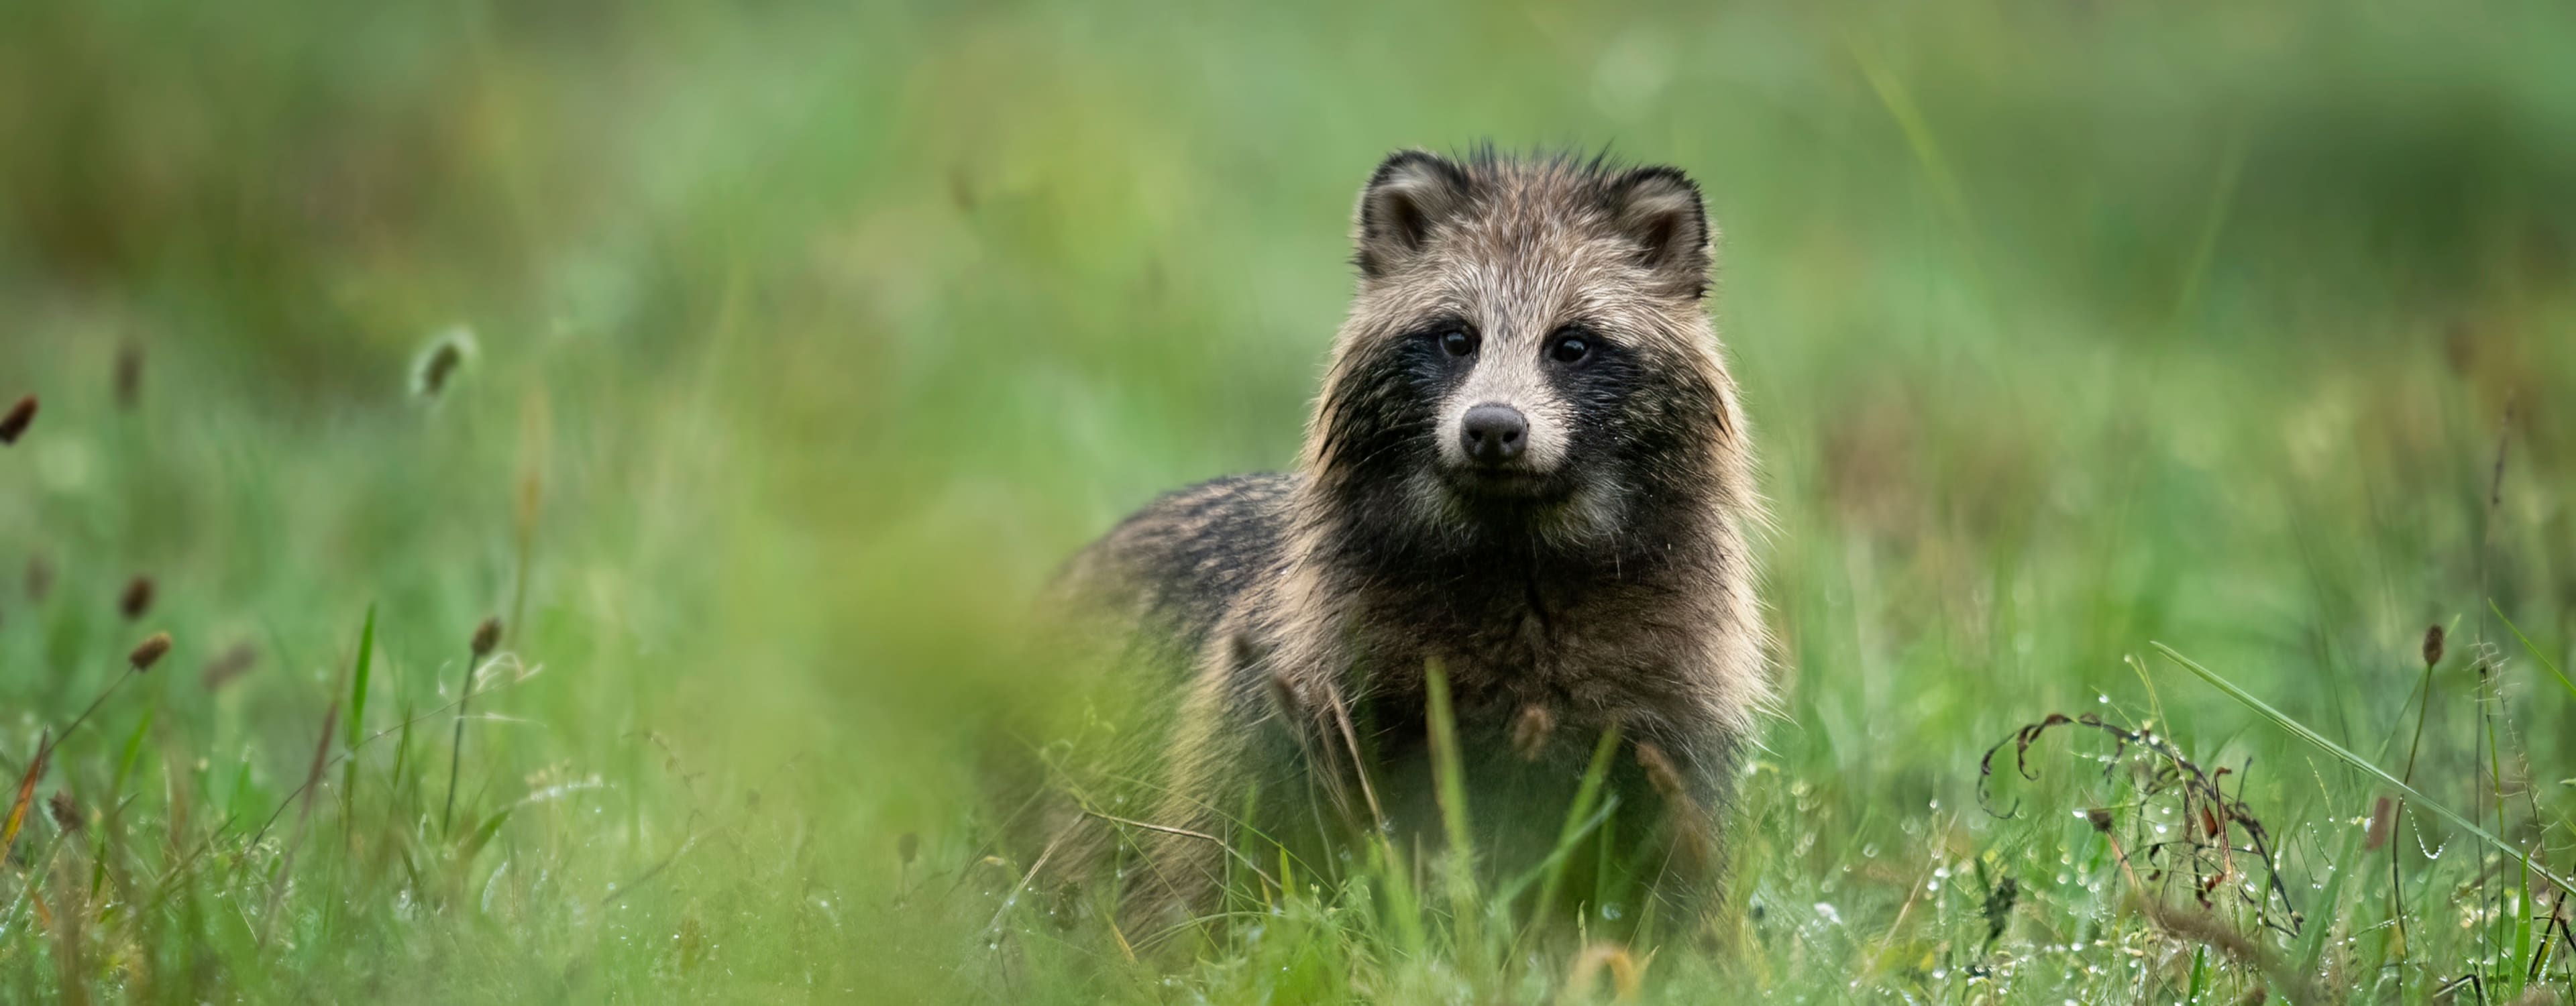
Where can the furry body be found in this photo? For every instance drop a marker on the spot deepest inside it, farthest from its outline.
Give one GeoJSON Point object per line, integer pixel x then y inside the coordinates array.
{"type": "Point", "coordinates": [1527, 469]}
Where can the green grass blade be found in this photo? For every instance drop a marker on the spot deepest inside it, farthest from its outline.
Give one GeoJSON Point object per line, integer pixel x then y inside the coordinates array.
{"type": "Point", "coordinates": [1580, 820]}
{"type": "Point", "coordinates": [2347, 862]}
{"type": "Point", "coordinates": [2535, 650]}
{"type": "Point", "coordinates": [358, 678]}
{"type": "Point", "coordinates": [1445, 764]}
{"type": "Point", "coordinates": [1899, 102]}
{"type": "Point", "coordinates": [483, 834]}
{"type": "Point", "coordinates": [115, 793]}
{"type": "Point", "coordinates": [1458, 864]}
{"type": "Point", "coordinates": [1402, 909]}
{"type": "Point", "coordinates": [358, 675]}
{"type": "Point", "coordinates": [2301, 730]}
{"type": "Point", "coordinates": [2522, 934]}
{"type": "Point", "coordinates": [133, 750]}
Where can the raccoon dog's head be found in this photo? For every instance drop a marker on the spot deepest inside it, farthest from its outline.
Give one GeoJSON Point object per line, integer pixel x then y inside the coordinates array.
{"type": "Point", "coordinates": [1529, 357]}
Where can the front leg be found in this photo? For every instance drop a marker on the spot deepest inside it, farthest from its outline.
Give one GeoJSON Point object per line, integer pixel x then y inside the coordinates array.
{"type": "Point", "coordinates": [1248, 745]}
{"type": "Point", "coordinates": [1182, 846]}
{"type": "Point", "coordinates": [1692, 775]}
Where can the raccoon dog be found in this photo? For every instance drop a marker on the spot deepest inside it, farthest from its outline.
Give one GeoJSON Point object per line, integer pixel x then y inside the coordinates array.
{"type": "Point", "coordinates": [1528, 475]}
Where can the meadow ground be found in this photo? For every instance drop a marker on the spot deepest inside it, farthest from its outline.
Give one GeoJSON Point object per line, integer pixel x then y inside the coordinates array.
{"type": "Point", "coordinates": [2087, 344]}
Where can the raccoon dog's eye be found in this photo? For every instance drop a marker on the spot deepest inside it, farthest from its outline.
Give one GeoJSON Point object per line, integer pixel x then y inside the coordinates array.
{"type": "Point", "coordinates": [1569, 348]}
{"type": "Point", "coordinates": [1457, 342]}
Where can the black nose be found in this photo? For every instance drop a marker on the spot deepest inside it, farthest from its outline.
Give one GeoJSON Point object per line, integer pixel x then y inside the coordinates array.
{"type": "Point", "coordinates": [1494, 434]}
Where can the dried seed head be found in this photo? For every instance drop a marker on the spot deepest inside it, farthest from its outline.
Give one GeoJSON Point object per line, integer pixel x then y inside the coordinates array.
{"type": "Point", "coordinates": [532, 497]}
{"type": "Point", "coordinates": [442, 362]}
{"type": "Point", "coordinates": [129, 375]}
{"type": "Point", "coordinates": [15, 423]}
{"type": "Point", "coordinates": [907, 846]}
{"type": "Point", "coordinates": [2100, 818]}
{"type": "Point", "coordinates": [137, 599]}
{"type": "Point", "coordinates": [232, 664]}
{"type": "Point", "coordinates": [1531, 731]}
{"type": "Point", "coordinates": [2432, 646]}
{"type": "Point", "coordinates": [447, 353]}
{"type": "Point", "coordinates": [487, 636]}
{"type": "Point", "coordinates": [1625, 973]}
{"type": "Point", "coordinates": [1285, 697]}
{"type": "Point", "coordinates": [1660, 771]}
{"type": "Point", "coordinates": [40, 578]}
{"type": "Point", "coordinates": [66, 811]}
{"type": "Point", "coordinates": [149, 651]}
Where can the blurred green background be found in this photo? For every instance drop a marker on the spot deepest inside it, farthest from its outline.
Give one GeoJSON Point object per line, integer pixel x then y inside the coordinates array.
{"type": "Point", "coordinates": [810, 338]}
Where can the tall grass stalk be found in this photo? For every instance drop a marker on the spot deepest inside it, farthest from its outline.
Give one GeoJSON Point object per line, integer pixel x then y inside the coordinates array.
{"type": "Point", "coordinates": [1458, 860]}
{"type": "Point", "coordinates": [2303, 732]}
{"type": "Point", "coordinates": [487, 637]}
{"type": "Point", "coordinates": [361, 674]}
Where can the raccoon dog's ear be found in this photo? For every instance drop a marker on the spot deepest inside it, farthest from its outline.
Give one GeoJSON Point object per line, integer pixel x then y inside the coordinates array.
{"type": "Point", "coordinates": [1659, 208]}
{"type": "Point", "coordinates": [1408, 197]}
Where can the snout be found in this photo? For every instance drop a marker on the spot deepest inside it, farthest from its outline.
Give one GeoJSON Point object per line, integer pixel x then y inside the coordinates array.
{"type": "Point", "coordinates": [1493, 435]}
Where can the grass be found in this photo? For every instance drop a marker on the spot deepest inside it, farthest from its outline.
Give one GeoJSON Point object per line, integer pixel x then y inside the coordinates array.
{"type": "Point", "coordinates": [782, 353]}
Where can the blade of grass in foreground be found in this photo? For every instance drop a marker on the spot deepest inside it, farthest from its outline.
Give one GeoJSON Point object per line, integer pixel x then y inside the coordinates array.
{"type": "Point", "coordinates": [2418, 799]}
{"type": "Point", "coordinates": [364, 670]}
{"type": "Point", "coordinates": [1458, 860]}
{"type": "Point", "coordinates": [2527, 644]}
{"type": "Point", "coordinates": [124, 771]}
{"type": "Point", "coordinates": [1580, 820]}
{"type": "Point", "coordinates": [358, 676]}
{"type": "Point", "coordinates": [1444, 754]}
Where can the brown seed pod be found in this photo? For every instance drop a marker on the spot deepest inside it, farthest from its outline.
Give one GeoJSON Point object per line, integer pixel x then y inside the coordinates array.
{"type": "Point", "coordinates": [442, 362]}
{"type": "Point", "coordinates": [1531, 731]}
{"type": "Point", "coordinates": [66, 811]}
{"type": "Point", "coordinates": [1660, 771]}
{"type": "Point", "coordinates": [137, 599]}
{"type": "Point", "coordinates": [2432, 646]}
{"type": "Point", "coordinates": [232, 664]}
{"type": "Point", "coordinates": [129, 375]}
{"type": "Point", "coordinates": [14, 424]}
{"type": "Point", "coordinates": [438, 363]}
{"type": "Point", "coordinates": [149, 651]}
{"type": "Point", "coordinates": [487, 636]}
{"type": "Point", "coordinates": [2100, 819]}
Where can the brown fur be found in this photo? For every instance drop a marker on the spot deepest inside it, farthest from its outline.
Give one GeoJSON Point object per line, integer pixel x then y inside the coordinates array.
{"type": "Point", "coordinates": [1302, 610]}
